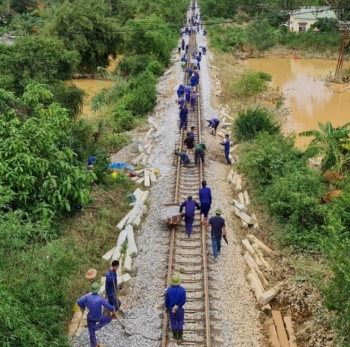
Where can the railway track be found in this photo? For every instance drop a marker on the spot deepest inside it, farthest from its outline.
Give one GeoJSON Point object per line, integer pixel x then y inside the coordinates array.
{"type": "Point", "coordinates": [189, 256]}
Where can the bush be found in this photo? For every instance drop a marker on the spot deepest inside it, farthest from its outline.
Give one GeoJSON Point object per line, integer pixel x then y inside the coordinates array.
{"type": "Point", "coordinates": [114, 142]}
{"type": "Point", "coordinates": [293, 198]}
{"type": "Point", "coordinates": [337, 289]}
{"type": "Point", "coordinates": [142, 98]}
{"type": "Point", "coordinates": [249, 84]}
{"type": "Point", "coordinates": [155, 67]}
{"type": "Point", "coordinates": [227, 38]}
{"type": "Point", "coordinates": [68, 96]}
{"type": "Point", "coordinates": [265, 158]}
{"type": "Point", "coordinates": [123, 120]}
{"type": "Point", "coordinates": [253, 121]}
{"type": "Point", "coordinates": [260, 35]}
{"type": "Point", "coordinates": [134, 64]}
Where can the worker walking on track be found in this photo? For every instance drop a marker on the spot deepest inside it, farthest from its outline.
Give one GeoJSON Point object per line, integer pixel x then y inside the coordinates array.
{"type": "Point", "coordinates": [95, 318]}
{"type": "Point", "coordinates": [112, 285]}
{"type": "Point", "coordinates": [226, 145]}
{"type": "Point", "coordinates": [190, 206]}
{"type": "Point", "coordinates": [183, 118]}
{"type": "Point", "coordinates": [218, 228]}
{"type": "Point", "coordinates": [199, 149]}
{"type": "Point", "coordinates": [175, 299]}
{"type": "Point", "coordinates": [205, 200]}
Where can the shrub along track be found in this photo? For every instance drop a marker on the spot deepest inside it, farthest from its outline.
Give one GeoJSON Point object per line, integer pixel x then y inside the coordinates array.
{"type": "Point", "coordinates": [188, 256]}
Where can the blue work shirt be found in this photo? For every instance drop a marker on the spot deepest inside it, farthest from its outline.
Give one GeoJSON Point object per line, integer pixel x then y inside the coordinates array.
{"type": "Point", "coordinates": [194, 81]}
{"type": "Point", "coordinates": [175, 295]}
{"type": "Point", "coordinates": [183, 114]}
{"type": "Point", "coordinates": [94, 303]}
{"type": "Point", "coordinates": [180, 90]}
{"type": "Point", "coordinates": [181, 101]}
{"type": "Point", "coordinates": [191, 135]}
{"type": "Point", "coordinates": [190, 206]}
{"type": "Point", "coordinates": [111, 281]}
{"type": "Point", "coordinates": [226, 144]}
{"type": "Point", "coordinates": [187, 89]}
{"type": "Point", "coordinates": [205, 195]}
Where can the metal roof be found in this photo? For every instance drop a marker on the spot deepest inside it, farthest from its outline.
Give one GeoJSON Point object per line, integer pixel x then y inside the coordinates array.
{"type": "Point", "coordinates": [313, 13]}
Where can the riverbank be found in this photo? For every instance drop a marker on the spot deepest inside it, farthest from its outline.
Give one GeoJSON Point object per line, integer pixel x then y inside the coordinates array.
{"type": "Point", "coordinates": [301, 274]}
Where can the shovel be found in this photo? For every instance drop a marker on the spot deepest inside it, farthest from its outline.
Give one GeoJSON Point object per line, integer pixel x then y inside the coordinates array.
{"type": "Point", "coordinates": [126, 330]}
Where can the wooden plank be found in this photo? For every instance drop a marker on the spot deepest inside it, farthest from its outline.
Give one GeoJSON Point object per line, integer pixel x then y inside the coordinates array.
{"type": "Point", "coordinates": [272, 334]}
{"type": "Point", "coordinates": [281, 332]}
{"type": "Point", "coordinates": [174, 220]}
{"type": "Point", "coordinates": [288, 322]}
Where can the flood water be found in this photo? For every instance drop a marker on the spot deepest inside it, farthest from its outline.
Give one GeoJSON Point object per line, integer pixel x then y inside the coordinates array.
{"type": "Point", "coordinates": [306, 95]}
{"type": "Point", "coordinates": [90, 87]}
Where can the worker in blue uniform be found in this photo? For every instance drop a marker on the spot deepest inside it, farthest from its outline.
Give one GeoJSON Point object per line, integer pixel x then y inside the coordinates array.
{"type": "Point", "coordinates": [226, 145]}
{"type": "Point", "coordinates": [205, 200]}
{"type": "Point", "coordinates": [190, 206]}
{"type": "Point", "coordinates": [175, 299]}
{"type": "Point", "coordinates": [95, 318]}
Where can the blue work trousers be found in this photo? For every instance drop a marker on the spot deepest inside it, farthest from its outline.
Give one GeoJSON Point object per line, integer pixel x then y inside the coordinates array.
{"type": "Point", "coordinates": [93, 326]}
{"type": "Point", "coordinates": [177, 319]}
{"type": "Point", "coordinates": [216, 243]}
{"type": "Point", "coordinates": [189, 224]}
{"type": "Point", "coordinates": [183, 123]}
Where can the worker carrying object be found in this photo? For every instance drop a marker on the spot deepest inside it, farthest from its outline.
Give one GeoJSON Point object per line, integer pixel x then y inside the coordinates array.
{"type": "Point", "coordinates": [112, 285]}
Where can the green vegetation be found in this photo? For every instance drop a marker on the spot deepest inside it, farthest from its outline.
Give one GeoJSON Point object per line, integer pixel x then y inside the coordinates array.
{"type": "Point", "coordinates": [250, 84]}
{"type": "Point", "coordinates": [56, 219]}
{"type": "Point", "coordinates": [249, 123]}
{"type": "Point", "coordinates": [290, 192]}
{"type": "Point", "coordinates": [333, 144]}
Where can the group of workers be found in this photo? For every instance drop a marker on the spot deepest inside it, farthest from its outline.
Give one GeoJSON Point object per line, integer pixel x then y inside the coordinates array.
{"type": "Point", "coordinates": [175, 297]}
{"type": "Point", "coordinates": [95, 303]}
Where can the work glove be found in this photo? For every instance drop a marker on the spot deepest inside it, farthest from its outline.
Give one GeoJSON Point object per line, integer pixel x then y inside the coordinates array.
{"type": "Point", "coordinates": [175, 308]}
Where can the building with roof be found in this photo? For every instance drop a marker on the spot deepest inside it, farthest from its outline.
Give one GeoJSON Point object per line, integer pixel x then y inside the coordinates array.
{"type": "Point", "coordinates": [300, 20]}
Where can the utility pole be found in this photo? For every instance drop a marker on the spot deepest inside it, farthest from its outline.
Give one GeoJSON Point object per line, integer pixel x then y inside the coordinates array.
{"type": "Point", "coordinates": [344, 27]}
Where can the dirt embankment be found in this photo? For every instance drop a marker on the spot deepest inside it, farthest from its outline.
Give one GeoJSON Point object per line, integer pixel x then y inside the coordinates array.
{"type": "Point", "coordinates": [298, 273]}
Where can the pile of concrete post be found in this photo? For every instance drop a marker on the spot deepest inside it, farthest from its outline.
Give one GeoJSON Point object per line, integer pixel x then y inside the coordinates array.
{"type": "Point", "coordinates": [225, 119]}
{"type": "Point", "coordinates": [146, 176]}
{"type": "Point", "coordinates": [146, 143]}
{"type": "Point", "coordinates": [243, 200]}
{"type": "Point", "coordinates": [280, 330]}
{"type": "Point", "coordinates": [126, 236]}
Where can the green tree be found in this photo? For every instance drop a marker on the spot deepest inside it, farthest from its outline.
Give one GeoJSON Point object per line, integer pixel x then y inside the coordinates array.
{"type": "Point", "coordinates": [149, 35]}
{"type": "Point", "coordinates": [26, 24]}
{"type": "Point", "coordinates": [38, 166]}
{"type": "Point", "coordinates": [86, 27]}
{"type": "Point", "coordinates": [331, 142]}
{"type": "Point", "coordinates": [35, 59]}
{"type": "Point", "coordinates": [326, 25]}
{"type": "Point", "coordinates": [22, 6]}
{"type": "Point", "coordinates": [260, 35]}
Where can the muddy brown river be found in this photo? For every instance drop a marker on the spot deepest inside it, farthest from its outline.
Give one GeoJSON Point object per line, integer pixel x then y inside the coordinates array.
{"type": "Point", "coordinates": [90, 87]}
{"type": "Point", "coordinates": [307, 97]}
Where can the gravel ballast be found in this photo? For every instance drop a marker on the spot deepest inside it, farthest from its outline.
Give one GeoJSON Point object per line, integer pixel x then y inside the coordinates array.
{"type": "Point", "coordinates": [143, 304]}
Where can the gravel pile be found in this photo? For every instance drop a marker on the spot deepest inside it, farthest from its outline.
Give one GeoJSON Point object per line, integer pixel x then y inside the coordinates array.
{"type": "Point", "coordinates": [143, 305]}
